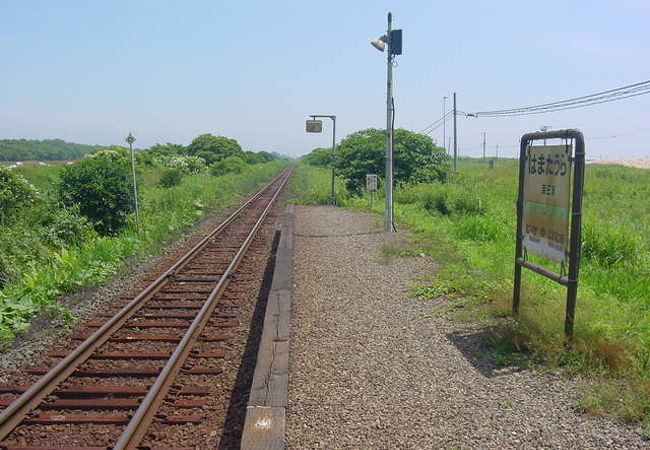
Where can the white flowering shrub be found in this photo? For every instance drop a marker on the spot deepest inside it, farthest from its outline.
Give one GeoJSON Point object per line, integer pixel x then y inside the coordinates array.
{"type": "Point", "coordinates": [15, 193]}
{"type": "Point", "coordinates": [186, 164]}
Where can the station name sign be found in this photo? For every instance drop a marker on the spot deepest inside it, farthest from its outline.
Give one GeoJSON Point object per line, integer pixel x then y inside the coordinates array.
{"type": "Point", "coordinates": [547, 177]}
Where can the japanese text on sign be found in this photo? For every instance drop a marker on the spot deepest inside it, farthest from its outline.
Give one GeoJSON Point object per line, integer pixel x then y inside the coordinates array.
{"type": "Point", "coordinates": [546, 201]}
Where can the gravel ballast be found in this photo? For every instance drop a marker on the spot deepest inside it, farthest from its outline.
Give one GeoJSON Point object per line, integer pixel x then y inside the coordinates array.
{"type": "Point", "coordinates": [372, 367]}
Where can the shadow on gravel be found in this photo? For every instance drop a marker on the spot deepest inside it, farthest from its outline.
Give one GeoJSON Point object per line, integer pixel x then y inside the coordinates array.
{"type": "Point", "coordinates": [472, 346]}
{"type": "Point", "coordinates": [236, 415]}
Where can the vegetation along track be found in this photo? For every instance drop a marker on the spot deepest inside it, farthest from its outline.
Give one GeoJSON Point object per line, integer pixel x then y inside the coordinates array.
{"type": "Point", "coordinates": [124, 376]}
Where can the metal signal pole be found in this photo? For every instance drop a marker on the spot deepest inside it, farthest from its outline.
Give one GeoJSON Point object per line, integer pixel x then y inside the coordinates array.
{"type": "Point", "coordinates": [130, 139]}
{"type": "Point", "coordinates": [444, 121]}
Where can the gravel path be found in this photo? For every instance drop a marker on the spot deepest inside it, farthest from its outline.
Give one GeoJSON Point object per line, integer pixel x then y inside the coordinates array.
{"type": "Point", "coordinates": [371, 368]}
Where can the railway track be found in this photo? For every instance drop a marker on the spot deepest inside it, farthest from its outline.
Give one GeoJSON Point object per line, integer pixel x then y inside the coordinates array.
{"type": "Point", "coordinates": [150, 364]}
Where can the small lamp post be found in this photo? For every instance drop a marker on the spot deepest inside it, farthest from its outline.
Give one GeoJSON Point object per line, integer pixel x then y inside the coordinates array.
{"type": "Point", "coordinates": [130, 139]}
{"type": "Point", "coordinates": [316, 128]}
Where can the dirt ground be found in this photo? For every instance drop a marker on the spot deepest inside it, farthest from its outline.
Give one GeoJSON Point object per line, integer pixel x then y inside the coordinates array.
{"type": "Point", "coordinates": [639, 163]}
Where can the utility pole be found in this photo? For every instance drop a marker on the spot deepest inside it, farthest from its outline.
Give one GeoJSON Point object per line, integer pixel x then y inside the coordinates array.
{"type": "Point", "coordinates": [455, 138]}
{"type": "Point", "coordinates": [444, 121]}
{"type": "Point", "coordinates": [449, 145]}
{"type": "Point", "coordinates": [497, 152]}
{"type": "Point", "coordinates": [391, 41]}
{"type": "Point", "coordinates": [484, 146]}
{"type": "Point", "coordinates": [388, 221]}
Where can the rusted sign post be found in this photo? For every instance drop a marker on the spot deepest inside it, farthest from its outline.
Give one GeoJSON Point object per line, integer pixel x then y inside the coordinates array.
{"type": "Point", "coordinates": [551, 182]}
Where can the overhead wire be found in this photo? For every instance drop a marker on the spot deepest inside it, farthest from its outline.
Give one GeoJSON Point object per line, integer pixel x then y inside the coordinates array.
{"type": "Point", "coordinates": [632, 90]}
{"type": "Point", "coordinates": [437, 123]}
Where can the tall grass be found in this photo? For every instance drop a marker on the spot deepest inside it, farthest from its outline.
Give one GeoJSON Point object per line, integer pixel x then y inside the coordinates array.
{"type": "Point", "coordinates": [165, 214]}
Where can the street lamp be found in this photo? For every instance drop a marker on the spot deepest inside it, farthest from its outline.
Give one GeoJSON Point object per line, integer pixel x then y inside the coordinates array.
{"type": "Point", "coordinates": [319, 129]}
{"type": "Point", "coordinates": [392, 41]}
{"type": "Point", "coordinates": [130, 139]}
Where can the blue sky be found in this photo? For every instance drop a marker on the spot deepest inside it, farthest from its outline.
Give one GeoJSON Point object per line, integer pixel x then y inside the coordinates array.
{"type": "Point", "coordinates": [90, 71]}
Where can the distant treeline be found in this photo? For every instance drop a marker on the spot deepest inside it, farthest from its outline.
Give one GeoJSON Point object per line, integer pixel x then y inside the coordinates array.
{"type": "Point", "coordinates": [45, 150]}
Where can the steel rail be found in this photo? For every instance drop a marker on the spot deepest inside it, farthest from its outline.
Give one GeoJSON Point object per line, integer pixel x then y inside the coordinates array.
{"type": "Point", "coordinates": [142, 418]}
{"type": "Point", "coordinates": [15, 413]}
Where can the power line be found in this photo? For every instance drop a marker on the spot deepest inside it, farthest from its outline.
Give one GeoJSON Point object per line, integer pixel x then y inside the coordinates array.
{"type": "Point", "coordinates": [437, 123]}
{"type": "Point", "coordinates": [632, 90]}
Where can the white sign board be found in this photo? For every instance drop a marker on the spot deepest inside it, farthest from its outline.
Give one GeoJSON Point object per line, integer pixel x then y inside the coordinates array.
{"type": "Point", "coordinates": [371, 183]}
{"type": "Point", "coordinates": [545, 222]}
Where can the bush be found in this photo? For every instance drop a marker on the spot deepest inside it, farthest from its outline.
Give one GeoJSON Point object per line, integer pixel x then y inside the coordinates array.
{"type": "Point", "coordinates": [451, 200]}
{"type": "Point", "coordinates": [231, 164]}
{"type": "Point", "coordinates": [66, 225]}
{"type": "Point", "coordinates": [102, 187]}
{"type": "Point", "coordinates": [186, 164]}
{"type": "Point", "coordinates": [20, 248]}
{"type": "Point", "coordinates": [15, 193]}
{"type": "Point", "coordinates": [170, 178]}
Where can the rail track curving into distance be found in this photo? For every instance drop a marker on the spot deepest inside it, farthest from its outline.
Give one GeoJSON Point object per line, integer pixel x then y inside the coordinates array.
{"type": "Point", "coordinates": [124, 376]}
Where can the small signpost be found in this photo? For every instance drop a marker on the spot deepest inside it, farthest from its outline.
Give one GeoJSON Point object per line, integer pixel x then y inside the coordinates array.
{"type": "Point", "coordinates": [371, 186]}
{"type": "Point", "coordinates": [314, 126]}
{"type": "Point", "coordinates": [550, 183]}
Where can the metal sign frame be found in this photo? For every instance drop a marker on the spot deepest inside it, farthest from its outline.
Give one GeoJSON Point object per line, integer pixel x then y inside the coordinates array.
{"type": "Point", "coordinates": [575, 238]}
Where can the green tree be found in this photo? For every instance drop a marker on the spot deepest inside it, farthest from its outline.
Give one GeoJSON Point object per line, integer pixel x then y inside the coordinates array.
{"type": "Point", "coordinates": [48, 149]}
{"type": "Point", "coordinates": [415, 157]}
{"type": "Point", "coordinates": [102, 187]}
{"type": "Point", "coordinates": [319, 157]}
{"type": "Point", "coordinates": [257, 157]}
{"type": "Point", "coordinates": [231, 164]}
{"type": "Point", "coordinates": [214, 148]}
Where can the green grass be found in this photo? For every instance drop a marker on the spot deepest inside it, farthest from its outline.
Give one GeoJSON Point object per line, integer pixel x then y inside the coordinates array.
{"type": "Point", "coordinates": [312, 186]}
{"type": "Point", "coordinates": [42, 177]}
{"type": "Point", "coordinates": [468, 226]}
{"type": "Point", "coordinates": [47, 273]}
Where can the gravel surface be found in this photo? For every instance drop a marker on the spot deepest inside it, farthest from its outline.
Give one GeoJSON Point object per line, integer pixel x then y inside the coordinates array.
{"type": "Point", "coordinates": [371, 367]}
